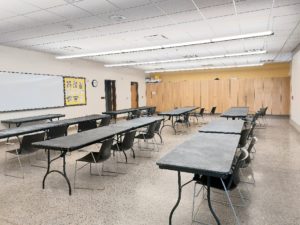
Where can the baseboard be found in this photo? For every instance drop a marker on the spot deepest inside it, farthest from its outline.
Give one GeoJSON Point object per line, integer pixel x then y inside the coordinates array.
{"type": "Point", "coordinates": [295, 125]}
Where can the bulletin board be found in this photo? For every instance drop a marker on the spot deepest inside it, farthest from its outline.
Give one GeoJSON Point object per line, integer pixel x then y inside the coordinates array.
{"type": "Point", "coordinates": [75, 91]}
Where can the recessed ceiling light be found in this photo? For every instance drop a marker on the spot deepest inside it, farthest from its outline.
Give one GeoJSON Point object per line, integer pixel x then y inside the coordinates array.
{"type": "Point", "coordinates": [117, 17]}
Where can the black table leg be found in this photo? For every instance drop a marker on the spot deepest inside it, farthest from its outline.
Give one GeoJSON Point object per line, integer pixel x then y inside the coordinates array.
{"type": "Point", "coordinates": [178, 199]}
{"type": "Point", "coordinates": [64, 174]}
{"type": "Point", "coordinates": [209, 202]}
{"type": "Point", "coordinates": [168, 125]}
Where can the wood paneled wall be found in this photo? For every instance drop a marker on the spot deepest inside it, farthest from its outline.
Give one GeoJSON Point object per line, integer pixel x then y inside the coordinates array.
{"type": "Point", "coordinates": [224, 93]}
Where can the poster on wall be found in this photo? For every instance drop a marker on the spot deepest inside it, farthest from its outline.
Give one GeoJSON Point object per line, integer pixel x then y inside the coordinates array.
{"type": "Point", "coordinates": [75, 91]}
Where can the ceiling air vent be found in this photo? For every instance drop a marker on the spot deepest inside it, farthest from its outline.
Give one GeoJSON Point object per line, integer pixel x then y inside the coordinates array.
{"type": "Point", "coordinates": [156, 38]}
{"type": "Point", "coordinates": [71, 48]}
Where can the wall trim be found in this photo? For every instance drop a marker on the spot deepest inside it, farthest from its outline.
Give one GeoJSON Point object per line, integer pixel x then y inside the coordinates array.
{"type": "Point", "coordinates": [295, 125]}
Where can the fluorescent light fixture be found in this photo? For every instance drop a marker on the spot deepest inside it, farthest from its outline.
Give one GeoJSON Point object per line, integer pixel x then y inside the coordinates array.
{"type": "Point", "coordinates": [175, 45]}
{"type": "Point", "coordinates": [243, 36]}
{"type": "Point", "coordinates": [203, 68]}
{"type": "Point", "coordinates": [187, 59]}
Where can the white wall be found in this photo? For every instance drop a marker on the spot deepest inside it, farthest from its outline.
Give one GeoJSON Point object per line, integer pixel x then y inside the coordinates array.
{"type": "Point", "coordinates": [14, 59]}
{"type": "Point", "coordinates": [295, 95]}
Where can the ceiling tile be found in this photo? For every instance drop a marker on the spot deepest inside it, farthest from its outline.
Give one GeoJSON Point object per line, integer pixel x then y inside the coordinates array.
{"type": "Point", "coordinates": [17, 7]}
{"type": "Point", "coordinates": [46, 4]}
{"type": "Point", "coordinates": [175, 6]}
{"type": "Point", "coordinates": [96, 7]}
{"type": "Point", "coordinates": [69, 11]}
{"type": "Point", "coordinates": [218, 11]}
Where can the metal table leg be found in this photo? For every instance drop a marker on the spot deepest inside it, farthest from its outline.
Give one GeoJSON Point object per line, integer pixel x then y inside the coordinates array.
{"type": "Point", "coordinates": [209, 202]}
{"type": "Point", "coordinates": [64, 174]}
{"type": "Point", "coordinates": [167, 125]}
{"type": "Point", "coordinates": [179, 196]}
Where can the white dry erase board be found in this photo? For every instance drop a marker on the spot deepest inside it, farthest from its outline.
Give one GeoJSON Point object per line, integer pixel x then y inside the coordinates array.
{"type": "Point", "coordinates": [23, 91]}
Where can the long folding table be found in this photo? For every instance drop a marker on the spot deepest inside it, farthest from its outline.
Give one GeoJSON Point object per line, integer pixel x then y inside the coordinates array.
{"type": "Point", "coordinates": [114, 114]}
{"type": "Point", "coordinates": [236, 112]}
{"type": "Point", "coordinates": [205, 154]}
{"type": "Point", "coordinates": [224, 126]}
{"type": "Point", "coordinates": [15, 132]}
{"type": "Point", "coordinates": [129, 112]}
{"type": "Point", "coordinates": [18, 121]}
{"type": "Point", "coordinates": [79, 140]}
{"type": "Point", "coordinates": [175, 113]}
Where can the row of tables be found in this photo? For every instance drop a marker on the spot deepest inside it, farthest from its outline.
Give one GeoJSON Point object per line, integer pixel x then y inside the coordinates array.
{"type": "Point", "coordinates": [129, 112]}
{"type": "Point", "coordinates": [210, 152]}
{"type": "Point", "coordinates": [79, 140]}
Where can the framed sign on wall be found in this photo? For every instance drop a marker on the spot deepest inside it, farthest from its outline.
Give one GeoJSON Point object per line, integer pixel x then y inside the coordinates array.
{"type": "Point", "coordinates": [75, 91]}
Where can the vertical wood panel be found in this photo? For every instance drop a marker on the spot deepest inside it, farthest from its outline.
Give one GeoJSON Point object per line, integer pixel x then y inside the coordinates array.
{"type": "Point", "coordinates": [258, 94]}
{"type": "Point", "coordinates": [276, 95]}
{"type": "Point", "coordinates": [285, 96]}
{"type": "Point", "coordinates": [267, 95]}
{"type": "Point", "coordinates": [225, 93]}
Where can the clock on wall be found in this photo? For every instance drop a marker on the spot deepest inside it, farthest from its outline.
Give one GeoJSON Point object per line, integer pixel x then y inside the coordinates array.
{"type": "Point", "coordinates": [94, 83]}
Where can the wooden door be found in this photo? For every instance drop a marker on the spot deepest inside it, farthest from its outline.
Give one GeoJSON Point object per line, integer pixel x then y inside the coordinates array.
{"type": "Point", "coordinates": [134, 95]}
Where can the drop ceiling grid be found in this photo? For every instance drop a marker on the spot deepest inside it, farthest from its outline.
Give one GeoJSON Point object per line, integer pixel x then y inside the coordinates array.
{"type": "Point", "coordinates": [87, 26]}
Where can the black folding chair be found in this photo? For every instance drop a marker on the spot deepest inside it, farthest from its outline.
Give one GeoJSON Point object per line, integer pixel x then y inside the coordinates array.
{"type": "Point", "coordinates": [24, 149]}
{"type": "Point", "coordinates": [226, 184]}
{"type": "Point", "coordinates": [199, 114]}
{"type": "Point", "coordinates": [105, 121]}
{"type": "Point", "coordinates": [101, 156]}
{"type": "Point", "coordinates": [125, 144]}
{"type": "Point", "coordinates": [87, 125]}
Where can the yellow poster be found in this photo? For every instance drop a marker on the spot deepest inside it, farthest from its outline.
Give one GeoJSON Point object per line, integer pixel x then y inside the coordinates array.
{"type": "Point", "coordinates": [75, 91]}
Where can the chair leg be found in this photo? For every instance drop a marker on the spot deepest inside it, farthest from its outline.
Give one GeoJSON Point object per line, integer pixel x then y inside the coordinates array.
{"type": "Point", "coordinates": [20, 164]}
{"type": "Point", "coordinates": [229, 200]}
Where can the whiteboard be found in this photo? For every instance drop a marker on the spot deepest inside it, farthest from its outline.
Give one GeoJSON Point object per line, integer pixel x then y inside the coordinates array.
{"type": "Point", "coordinates": [20, 91]}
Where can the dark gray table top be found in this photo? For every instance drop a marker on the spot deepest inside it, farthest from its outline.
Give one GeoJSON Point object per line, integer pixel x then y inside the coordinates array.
{"type": "Point", "coordinates": [80, 140]}
{"type": "Point", "coordinates": [223, 126]}
{"type": "Point", "coordinates": [236, 112]}
{"type": "Point", "coordinates": [145, 107]}
{"type": "Point", "coordinates": [137, 123]}
{"type": "Point", "coordinates": [32, 118]}
{"type": "Point", "coordinates": [205, 153]}
{"type": "Point", "coordinates": [179, 111]}
{"type": "Point", "coordinates": [120, 111]}
{"type": "Point", "coordinates": [80, 119]}
{"type": "Point", "coordinates": [11, 132]}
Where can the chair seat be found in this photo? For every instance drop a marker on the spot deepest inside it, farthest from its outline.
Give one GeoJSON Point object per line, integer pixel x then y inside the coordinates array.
{"type": "Point", "coordinates": [90, 159]}
{"type": "Point", "coordinates": [144, 136]}
{"type": "Point", "coordinates": [215, 182]}
{"type": "Point", "coordinates": [118, 147]}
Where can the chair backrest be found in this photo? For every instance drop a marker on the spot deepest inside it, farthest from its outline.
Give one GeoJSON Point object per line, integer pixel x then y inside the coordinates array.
{"type": "Point", "coordinates": [251, 133]}
{"type": "Point", "coordinates": [201, 111]}
{"type": "Point", "coordinates": [244, 137]}
{"type": "Point", "coordinates": [105, 150]}
{"type": "Point", "coordinates": [249, 149]}
{"type": "Point", "coordinates": [213, 110]}
{"type": "Point", "coordinates": [56, 132]}
{"type": "Point", "coordinates": [265, 111]}
{"type": "Point", "coordinates": [157, 126]}
{"type": "Point", "coordinates": [27, 140]}
{"type": "Point", "coordinates": [150, 130]}
{"type": "Point", "coordinates": [87, 125]}
{"type": "Point", "coordinates": [151, 111]}
{"type": "Point", "coordinates": [234, 178]}
{"type": "Point", "coordinates": [105, 121]}
{"type": "Point", "coordinates": [128, 140]}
